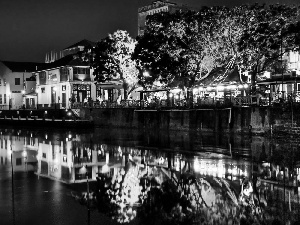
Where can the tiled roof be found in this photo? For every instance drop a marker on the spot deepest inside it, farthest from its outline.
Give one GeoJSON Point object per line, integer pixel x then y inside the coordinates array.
{"type": "Point", "coordinates": [22, 66]}
{"type": "Point", "coordinates": [84, 42]}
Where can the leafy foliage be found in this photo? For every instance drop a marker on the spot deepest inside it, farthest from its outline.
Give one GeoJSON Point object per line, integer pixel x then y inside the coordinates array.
{"type": "Point", "coordinates": [171, 49]}
{"type": "Point", "coordinates": [176, 47]}
{"type": "Point", "coordinates": [269, 35]}
{"type": "Point", "coordinates": [111, 60]}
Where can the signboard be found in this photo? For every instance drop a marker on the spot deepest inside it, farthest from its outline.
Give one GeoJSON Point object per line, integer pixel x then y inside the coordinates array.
{"type": "Point", "coordinates": [15, 91]}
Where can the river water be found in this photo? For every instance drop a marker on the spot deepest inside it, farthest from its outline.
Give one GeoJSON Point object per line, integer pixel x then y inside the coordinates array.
{"type": "Point", "coordinates": [223, 177]}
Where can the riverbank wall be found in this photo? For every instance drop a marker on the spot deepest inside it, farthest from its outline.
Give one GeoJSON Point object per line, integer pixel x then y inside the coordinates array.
{"type": "Point", "coordinates": [254, 119]}
{"type": "Point", "coordinates": [257, 120]}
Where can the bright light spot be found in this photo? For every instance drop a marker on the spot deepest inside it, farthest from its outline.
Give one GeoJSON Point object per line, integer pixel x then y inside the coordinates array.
{"type": "Point", "coordinates": [240, 86]}
{"type": "Point", "coordinates": [246, 85]}
{"type": "Point", "coordinates": [175, 91]}
{"type": "Point", "coordinates": [232, 87]}
{"type": "Point", "coordinates": [220, 88]}
{"type": "Point", "coordinates": [146, 74]}
{"type": "Point", "coordinates": [209, 88]}
{"type": "Point", "coordinates": [23, 92]}
{"type": "Point", "coordinates": [24, 154]}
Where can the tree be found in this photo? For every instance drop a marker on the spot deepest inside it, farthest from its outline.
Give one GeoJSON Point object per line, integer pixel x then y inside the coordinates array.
{"type": "Point", "coordinates": [111, 60]}
{"type": "Point", "coordinates": [271, 33]}
{"type": "Point", "coordinates": [171, 51]}
{"type": "Point", "coordinates": [223, 28]}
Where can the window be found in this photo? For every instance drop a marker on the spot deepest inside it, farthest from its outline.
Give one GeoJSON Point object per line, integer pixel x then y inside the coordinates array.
{"type": "Point", "coordinates": [4, 98]}
{"type": "Point", "coordinates": [18, 161]}
{"type": "Point", "coordinates": [17, 81]}
{"type": "Point", "coordinates": [0, 99]}
{"type": "Point", "coordinates": [43, 90]}
{"type": "Point", "coordinates": [0, 82]}
{"type": "Point", "coordinates": [44, 155]}
{"type": "Point", "coordinates": [64, 74]}
{"type": "Point", "coordinates": [81, 73]}
{"type": "Point", "coordinates": [4, 82]}
{"type": "Point", "coordinates": [42, 77]}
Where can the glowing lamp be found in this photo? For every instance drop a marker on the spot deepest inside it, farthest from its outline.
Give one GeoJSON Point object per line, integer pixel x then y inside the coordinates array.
{"type": "Point", "coordinates": [220, 88]}
{"type": "Point", "coordinates": [24, 154]}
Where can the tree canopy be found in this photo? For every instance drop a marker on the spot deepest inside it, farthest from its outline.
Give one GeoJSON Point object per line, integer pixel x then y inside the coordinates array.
{"type": "Point", "coordinates": [180, 49]}
{"type": "Point", "coordinates": [172, 50]}
{"type": "Point", "coordinates": [111, 60]}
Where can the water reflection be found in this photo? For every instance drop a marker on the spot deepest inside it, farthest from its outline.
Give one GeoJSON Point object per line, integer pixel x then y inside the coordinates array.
{"type": "Point", "coordinates": [220, 179]}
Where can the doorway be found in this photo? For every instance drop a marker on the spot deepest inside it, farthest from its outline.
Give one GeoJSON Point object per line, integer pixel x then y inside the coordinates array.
{"type": "Point", "coordinates": [64, 100]}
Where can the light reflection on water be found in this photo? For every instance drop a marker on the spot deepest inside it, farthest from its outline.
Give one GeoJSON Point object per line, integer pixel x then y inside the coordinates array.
{"type": "Point", "coordinates": [219, 177]}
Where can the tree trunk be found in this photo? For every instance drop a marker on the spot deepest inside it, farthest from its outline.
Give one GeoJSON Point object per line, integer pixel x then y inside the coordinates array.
{"type": "Point", "coordinates": [253, 80]}
{"type": "Point", "coordinates": [125, 87]}
{"type": "Point", "coordinates": [189, 97]}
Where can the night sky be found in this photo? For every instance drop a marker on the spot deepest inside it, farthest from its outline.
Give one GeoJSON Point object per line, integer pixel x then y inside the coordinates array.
{"type": "Point", "coordinates": [30, 28]}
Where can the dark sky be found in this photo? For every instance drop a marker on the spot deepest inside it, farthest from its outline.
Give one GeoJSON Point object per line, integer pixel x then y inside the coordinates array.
{"type": "Point", "coordinates": [30, 28]}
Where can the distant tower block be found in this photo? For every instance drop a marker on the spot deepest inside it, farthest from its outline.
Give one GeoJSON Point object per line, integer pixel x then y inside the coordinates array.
{"type": "Point", "coordinates": [156, 7]}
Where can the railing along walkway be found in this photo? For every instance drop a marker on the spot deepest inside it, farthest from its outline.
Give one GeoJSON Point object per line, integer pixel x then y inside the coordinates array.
{"type": "Point", "coordinates": [158, 104]}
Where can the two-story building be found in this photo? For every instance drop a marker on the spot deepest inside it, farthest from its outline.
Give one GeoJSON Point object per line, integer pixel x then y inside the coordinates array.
{"type": "Point", "coordinates": [69, 82]}
{"type": "Point", "coordinates": [13, 83]}
{"type": "Point", "coordinates": [64, 81]}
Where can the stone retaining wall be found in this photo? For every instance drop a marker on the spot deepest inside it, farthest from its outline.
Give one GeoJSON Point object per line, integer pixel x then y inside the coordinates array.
{"type": "Point", "coordinates": [258, 120]}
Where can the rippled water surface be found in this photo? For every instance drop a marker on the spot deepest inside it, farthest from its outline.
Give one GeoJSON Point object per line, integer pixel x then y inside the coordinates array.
{"type": "Point", "coordinates": [147, 177]}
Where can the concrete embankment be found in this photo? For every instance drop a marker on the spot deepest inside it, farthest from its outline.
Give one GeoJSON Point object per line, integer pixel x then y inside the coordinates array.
{"type": "Point", "coordinates": [58, 118]}
{"type": "Point", "coordinates": [254, 119]}
{"type": "Point", "coordinates": [257, 120]}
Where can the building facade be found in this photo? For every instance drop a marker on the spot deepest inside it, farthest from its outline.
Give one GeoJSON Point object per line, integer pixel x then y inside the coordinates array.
{"type": "Point", "coordinates": [13, 83]}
